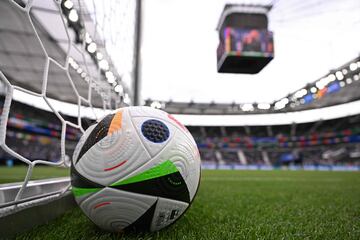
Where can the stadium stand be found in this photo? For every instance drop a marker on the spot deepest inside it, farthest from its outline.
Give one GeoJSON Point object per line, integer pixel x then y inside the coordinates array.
{"type": "Point", "coordinates": [329, 143]}
{"type": "Point", "coordinates": [36, 133]}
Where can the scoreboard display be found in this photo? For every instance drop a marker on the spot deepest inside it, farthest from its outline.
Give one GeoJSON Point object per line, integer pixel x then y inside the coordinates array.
{"type": "Point", "coordinates": [245, 43]}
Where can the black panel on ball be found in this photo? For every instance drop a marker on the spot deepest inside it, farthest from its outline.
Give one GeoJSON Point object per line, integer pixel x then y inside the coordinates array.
{"type": "Point", "coordinates": [143, 223]}
{"type": "Point", "coordinates": [171, 186]}
{"type": "Point", "coordinates": [98, 133]}
{"type": "Point", "coordinates": [78, 180]}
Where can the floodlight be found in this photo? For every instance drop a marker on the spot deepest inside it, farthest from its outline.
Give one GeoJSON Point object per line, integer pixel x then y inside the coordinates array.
{"type": "Point", "coordinates": [247, 107]}
{"type": "Point", "coordinates": [104, 65]}
{"type": "Point", "coordinates": [155, 104]}
{"type": "Point", "coordinates": [353, 66]}
{"type": "Point", "coordinates": [69, 4]}
{"type": "Point", "coordinates": [119, 89]}
{"type": "Point", "coordinates": [91, 47]}
{"type": "Point", "coordinates": [99, 56]}
{"type": "Point", "coordinates": [339, 75]}
{"type": "Point", "coordinates": [73, 15]}
{"type": "Point", "coordinates": [263, 106]}
{"type": "Point", "coordinates": [313, 89]}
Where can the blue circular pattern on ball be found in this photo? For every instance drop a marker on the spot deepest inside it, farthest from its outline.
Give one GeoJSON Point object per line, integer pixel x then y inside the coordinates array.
{"type": "Point", "coordinates": [155, 131]}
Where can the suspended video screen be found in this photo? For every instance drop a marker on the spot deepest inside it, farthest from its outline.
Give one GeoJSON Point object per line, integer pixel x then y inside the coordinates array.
{"type": "Point", "coordinates": [246, 42]}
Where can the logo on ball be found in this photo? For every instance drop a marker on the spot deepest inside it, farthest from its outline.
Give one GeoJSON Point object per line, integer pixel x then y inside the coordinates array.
{"type": "Point", "coordinates": [155, 131]}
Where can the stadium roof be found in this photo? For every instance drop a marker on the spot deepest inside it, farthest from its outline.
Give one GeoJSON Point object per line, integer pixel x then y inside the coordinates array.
{"type": "Point", "coordinates": [23, 60]}
{"type": "Point", "coordinates": [339, 86]}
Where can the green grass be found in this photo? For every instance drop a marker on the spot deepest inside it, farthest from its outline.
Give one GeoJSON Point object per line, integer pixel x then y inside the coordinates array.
{"type": "Point", "coordinates": [247, 205]}
{"type": "Point", "coordinates": [17, 173]}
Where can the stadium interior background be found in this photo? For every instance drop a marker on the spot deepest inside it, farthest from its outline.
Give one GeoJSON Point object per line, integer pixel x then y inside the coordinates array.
{"type": "Point", "coordinates": [323, 143]}
{"type": "Point", "coordinates": [312, 123]}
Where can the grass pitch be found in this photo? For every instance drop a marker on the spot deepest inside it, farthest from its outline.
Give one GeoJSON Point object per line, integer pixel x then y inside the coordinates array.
{"type": "Point", "coordinates": [247, 205]}
{"type": "Point", "coordinates": [18, 173]}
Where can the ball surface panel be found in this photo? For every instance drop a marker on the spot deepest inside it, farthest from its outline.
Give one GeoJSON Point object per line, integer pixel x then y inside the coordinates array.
{"type": "Point", "coordinates": [181, 149]}
{"type": "Point", "coordinates": [114, 210]}
{"type": "Point", "coordinates": [116, 155]}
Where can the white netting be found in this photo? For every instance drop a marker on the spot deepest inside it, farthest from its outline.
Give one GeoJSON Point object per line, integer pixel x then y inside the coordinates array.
{"type": "Point", "coordinates": [91, 30]}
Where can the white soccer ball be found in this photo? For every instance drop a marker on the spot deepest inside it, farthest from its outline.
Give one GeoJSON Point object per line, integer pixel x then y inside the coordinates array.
{"type": "Point", "coordinates": [138, 169]}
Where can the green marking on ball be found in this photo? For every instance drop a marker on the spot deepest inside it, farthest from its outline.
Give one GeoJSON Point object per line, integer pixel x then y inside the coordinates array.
{"type": "Point", "coordinates": [160, 170]}
{"type": "Point", "coordinates": [82, 191]}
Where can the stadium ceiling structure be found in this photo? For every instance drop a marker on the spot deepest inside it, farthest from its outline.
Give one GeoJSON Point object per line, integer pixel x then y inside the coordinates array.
{"type": "Point", "coordinates": [23, 60]}
{"type": "Point", "coordinates": [22, 57]}
{"type": "Point", "coordinates": [339, 86]}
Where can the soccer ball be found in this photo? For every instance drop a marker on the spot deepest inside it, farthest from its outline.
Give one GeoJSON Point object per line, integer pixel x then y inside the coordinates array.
{"type": "Point", "coordinates": [137, 169]}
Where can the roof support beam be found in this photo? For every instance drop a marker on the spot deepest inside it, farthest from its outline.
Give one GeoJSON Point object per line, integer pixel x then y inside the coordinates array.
{"type": "Point", "coordinates": [269, 131]}
{"type": "Point", "coordinates": [293, 129]}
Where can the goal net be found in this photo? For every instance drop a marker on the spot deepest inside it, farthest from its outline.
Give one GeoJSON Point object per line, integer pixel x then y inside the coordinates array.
{"type": "Point", "coordinates": [71, 58]}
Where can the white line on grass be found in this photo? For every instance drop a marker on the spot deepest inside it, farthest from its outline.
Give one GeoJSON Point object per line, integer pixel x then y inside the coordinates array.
{"type": "Point", "coordinates": [280, 179]}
